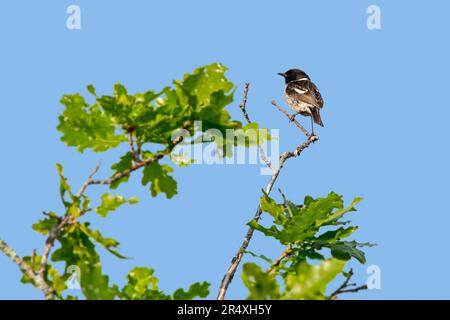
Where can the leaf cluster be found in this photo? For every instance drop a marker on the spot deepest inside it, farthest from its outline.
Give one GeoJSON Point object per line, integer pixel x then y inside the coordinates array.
{"type": "Point", "coordinates": [308, 230]}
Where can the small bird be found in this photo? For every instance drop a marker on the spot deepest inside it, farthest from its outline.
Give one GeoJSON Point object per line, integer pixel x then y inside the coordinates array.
{"type": "Point", "coordinates": [302, 96]}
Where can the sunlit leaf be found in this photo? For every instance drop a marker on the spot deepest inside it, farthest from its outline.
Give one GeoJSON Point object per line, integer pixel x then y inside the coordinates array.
{"type": "Point", "coordinates": [160, 181]}
{"type": "Point", "coordinates": [87, 127]}
{"type": "Point", "coordinates": [310, 282]}
{"type": "Point", "coordinates": [261, 285]}
{"type": "Point", "coordinates": [200, 290]}
{"type": "Point", "coordinates": [112, 202]}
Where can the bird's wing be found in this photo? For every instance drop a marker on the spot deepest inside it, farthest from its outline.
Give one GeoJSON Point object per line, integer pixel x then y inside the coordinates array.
{"type": "Point", "coordinates": [318, 97]}
{"type": "Point", "coordinates": [304, 91]}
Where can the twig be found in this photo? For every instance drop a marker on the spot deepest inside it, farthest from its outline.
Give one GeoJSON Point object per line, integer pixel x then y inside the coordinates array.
{"type": "Point", "coordinates": [135, 167]}
{"type": "Point", "coordinates": [286, 253]}
{"type": "Point", "coordinates": [33, 257]}
{"type": "Point", "coordinates": [88, 181]}
{"type": "Point", "coordinates": [134, 153]}
{"type": "Point", "coordinates": [56, 229]}
{"type": "Point", "coordinates": [228, 277]}
{"type": "Point", "coordinates": [139, 147]}
{"type": "Point", "coordinates": [293, 120]}
{"type": "Point", "coordinates": [344, 287]}
{"type": "Point", "coordinates": [243, 107]}
{"type": "Point", "coordinates": [39, 277]}
{"type": "Point", "coordinates": [50, 241]}
{"type": "Point", "coordinates": [26, 269]}
{"type": "Point", "coordinates": [69, 219]}
{"type": "Point", "coordinates": [244, 103]}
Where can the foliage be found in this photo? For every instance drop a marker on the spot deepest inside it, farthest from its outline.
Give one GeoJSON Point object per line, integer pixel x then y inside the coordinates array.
{"type": "Point", "coordinates": [302, 229]}
{"type": "Point", "coordinates": [142, 285]}
{"type": "Point", "coordinates": [148, 122]}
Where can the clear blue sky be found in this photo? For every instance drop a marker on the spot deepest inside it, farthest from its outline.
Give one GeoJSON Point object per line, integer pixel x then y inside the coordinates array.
{"type": "Point", "coordinates": [385, 138]}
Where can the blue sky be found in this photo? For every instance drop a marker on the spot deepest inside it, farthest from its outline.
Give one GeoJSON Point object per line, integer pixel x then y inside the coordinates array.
{"type": "Point", "coordinates": [385, 136]}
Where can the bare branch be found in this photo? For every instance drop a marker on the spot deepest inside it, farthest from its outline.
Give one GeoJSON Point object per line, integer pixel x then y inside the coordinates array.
{"type": "Point", "coordinates": [243, 107]}
{"type": "Point", "coordinates": [228, 277]}
{"type": "Point", "coordinates": [135, 154]}
{"type": "Point", "coordinates": [289, 117]}
{"type": "Point", "coordinates": [88, 181]}
{"type": "Point", "coordinates": [26, 269]}
{"type": "Point", "coordinates": [345, 286]}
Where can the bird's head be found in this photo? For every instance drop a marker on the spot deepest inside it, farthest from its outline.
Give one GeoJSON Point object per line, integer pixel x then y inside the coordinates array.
{"type": "Point", "coordinates": [294, 74]}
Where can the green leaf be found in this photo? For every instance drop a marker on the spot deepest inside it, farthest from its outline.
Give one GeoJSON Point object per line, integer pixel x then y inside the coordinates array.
{"type": "Point", "coordinates": [77, 250]}
{"type": "Point", "coordinates": [345, 250]}
{"type": "Point", "coordinates": [133, 200]}
{"type": "Point", "coordinates": [91, 89]}
{"type": "Point", "coordinates": [57, 282]}
{"type": "Point", "coordinates": [64, 186]}
{"type": "Point", "coordinates": [112, 202]}
{"type": "Point", "coordinates": [270, 232]}
{"type": "Point", "coordinates": [87, 127]}
{"type": "Point", "coordinates": [197, 289]}
{"type": "Point", "coordinates": [260, 256]}
{"type": "Point", "coordinates": [300, 223]}
{"type": "Point", "coordinates": [339, 213]}
{"type": "Point", "coordinates": [205, 81]}
{"type": "Point", "coordinates": [157, 175]}
{"type": "Point", "coordinates": [52, 276]}
{"type": "Point", "coordinates": [44, 226]}
{"type": "Point", "coordinates": [126, 161]}
{"type": "Point", "coordinates": [313, 213]}
{"type": "Point", "coordinates": [249, 135]}
{"type": "Point", "coordinates": [275, 210]}
{"type": "Point", "coordinates": [311, 254]}
{"type": "Point", "coordinates": [310, 282]}
{"type": "Point", "coordinates": [335, 235]}
{"type": "Point", "coordinates": [94, 284]}
{"type": "Point", "coordinates": [262, 286]}
{"type": "Point", "coordinates": [203, 95]}
{"type": "Point", "coordinates": [142, 285]}
{"type": "Point", "coordinates": [107, 243]}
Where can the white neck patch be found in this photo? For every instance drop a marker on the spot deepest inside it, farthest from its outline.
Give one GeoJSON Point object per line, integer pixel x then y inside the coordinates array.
{"type": "Point", "coordinates": [302, 79]}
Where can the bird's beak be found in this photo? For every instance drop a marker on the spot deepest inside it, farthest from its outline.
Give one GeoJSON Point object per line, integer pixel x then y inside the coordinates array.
{"type": "Point", "coordinates": [281, 74]}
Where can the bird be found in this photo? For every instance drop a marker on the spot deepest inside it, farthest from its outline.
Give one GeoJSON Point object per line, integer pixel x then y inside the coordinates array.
{"type": "Point", "coordinates": [302, 96]}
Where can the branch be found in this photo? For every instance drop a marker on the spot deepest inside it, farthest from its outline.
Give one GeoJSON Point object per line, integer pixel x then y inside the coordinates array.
{"type": "Point", "coordinates": [39, 277]}
{"type": "Point", "coordinates": [69, 219]}
{"type": "Point", "coordinates": [56, 230]}
{"type": "Point", "coordinates": [293, 120]}
{"type": "Point", "coordinates": [88, 181]}
{"type": "Point", "coordinates": [243, 107]}
{"type": "Point", "coordinates": [344, 287]}
{"type": "Point", "coordinates": [134, 153]}
{"type": "Point", "coordinates": [50, 241]}
{"type": "Point", "coordinates": [26, 269]}
{"type": "Point", "coordinates": [228, 277]}
{"type": "Point", "coordinates": [286, 253]}
{"type": "Point", "coordinates": [134, 167]}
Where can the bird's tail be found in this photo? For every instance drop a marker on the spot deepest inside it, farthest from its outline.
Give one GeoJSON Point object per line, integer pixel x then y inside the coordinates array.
{"type": "Point", "coordinates": [316, 116]}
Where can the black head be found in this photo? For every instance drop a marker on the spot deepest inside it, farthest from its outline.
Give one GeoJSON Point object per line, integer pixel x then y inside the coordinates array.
{"type": "Point", "coordinates": [294, 74]}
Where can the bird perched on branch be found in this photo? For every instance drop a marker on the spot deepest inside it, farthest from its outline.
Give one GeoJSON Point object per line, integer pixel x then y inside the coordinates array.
{"type": "Point", "coordinates": [302, 96]}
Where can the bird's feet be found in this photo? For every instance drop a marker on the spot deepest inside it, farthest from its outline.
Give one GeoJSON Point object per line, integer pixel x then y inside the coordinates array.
{"type": "Point", "coordinates": [292, 117]}
{"type": "Point", "coordinates": [312, 136]}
